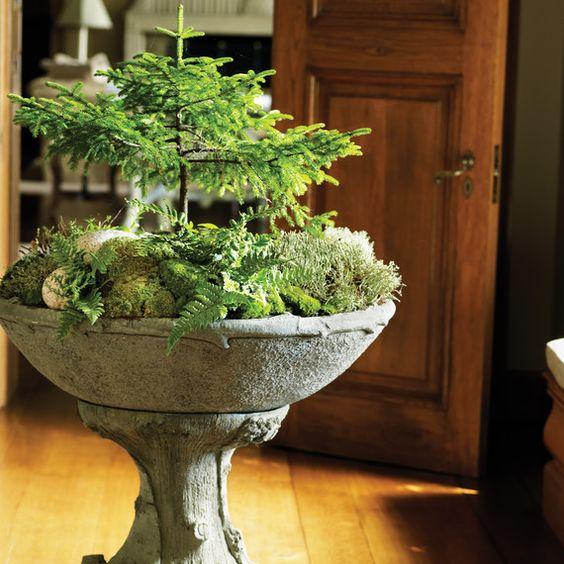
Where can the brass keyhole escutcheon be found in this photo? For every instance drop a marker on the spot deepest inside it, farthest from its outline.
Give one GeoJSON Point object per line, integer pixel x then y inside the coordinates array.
{"type": "Point", "coordinates": [468, 187]}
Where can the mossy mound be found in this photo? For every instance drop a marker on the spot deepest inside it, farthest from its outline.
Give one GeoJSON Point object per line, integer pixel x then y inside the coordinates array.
{"type": "Point", "coordinates": [181, 277]}
{"type": "Point", "coordinates": [277, 305]}
{"type": "Point", "coordinates": [24, 279]}
{"type": "Point", "coordinates": [129, 258]}
{"type": "Point", "coordinates": [256, 310]}
{"type": "Point", "coordinates": [138, 295]}
{"type": "Point", "coordinates": [339, 271]}
{"type": "Point", "coordinates": [300, 302]}
{"type": "Point", "coordinates": [132, 286]}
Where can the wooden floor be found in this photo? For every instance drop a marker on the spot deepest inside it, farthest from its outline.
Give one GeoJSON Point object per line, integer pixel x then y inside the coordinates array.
{"type": "Point", "coordinates": [65, 492]}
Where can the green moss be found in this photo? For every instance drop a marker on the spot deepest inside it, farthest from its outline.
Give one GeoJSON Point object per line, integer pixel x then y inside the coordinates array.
{"type": "Point", "coordinates": [256, 310]}
{"type": "Point", "coordinates": [130, 258]}
{"type": "Point", "coordinates": [160, 304]}
{"type": "Point", "coordinates": [181, 277]}
{"type": "Point", "coordinates": [330, 308]}
{"type": "Point", "coordinates": [301, 302]}
{"type": "Point", "coordinates": [24, 279]}
{"type": "Point", "coordinates": [139, 296]}
{"type": "Point", "coordinates": [277, 305]}
{"type": "Point", "coordinates": [160, 249]}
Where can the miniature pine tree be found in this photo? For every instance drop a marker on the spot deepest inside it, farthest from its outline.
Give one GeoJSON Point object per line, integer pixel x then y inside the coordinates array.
{"type": "Point", "coordinates": [179, 121]}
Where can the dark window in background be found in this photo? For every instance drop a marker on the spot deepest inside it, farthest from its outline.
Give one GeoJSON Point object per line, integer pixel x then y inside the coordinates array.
{"type": "Point", "coordinates": [248, 53]}
{"type": "Point", "coordinates": [36, 46]}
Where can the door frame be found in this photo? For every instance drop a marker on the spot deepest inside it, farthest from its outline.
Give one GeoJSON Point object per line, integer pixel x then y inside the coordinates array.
{"type": "Point", "coordinates": [10, 79]}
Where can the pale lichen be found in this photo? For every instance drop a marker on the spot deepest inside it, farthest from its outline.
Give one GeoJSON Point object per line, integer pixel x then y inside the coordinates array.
{"type": "Point", "coordinates": [339, 269]}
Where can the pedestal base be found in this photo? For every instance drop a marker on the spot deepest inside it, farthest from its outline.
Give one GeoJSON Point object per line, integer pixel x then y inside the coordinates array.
{"type": "Point", "coordinates": [181, 514]}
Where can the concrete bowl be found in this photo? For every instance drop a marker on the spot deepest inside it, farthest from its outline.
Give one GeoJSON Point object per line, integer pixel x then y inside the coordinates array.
{"type": "Point", "coordinates": [234, 366]}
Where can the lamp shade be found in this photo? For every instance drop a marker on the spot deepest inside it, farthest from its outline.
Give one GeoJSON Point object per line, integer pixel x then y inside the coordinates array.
{"type": "Point", "coordinates": [86, 14]}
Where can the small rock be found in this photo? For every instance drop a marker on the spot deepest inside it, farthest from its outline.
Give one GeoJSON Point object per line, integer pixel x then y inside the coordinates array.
{"type": "Point", "coordinates": [92, 241]}
{"type": "Point", "coordinates": [52, 291]}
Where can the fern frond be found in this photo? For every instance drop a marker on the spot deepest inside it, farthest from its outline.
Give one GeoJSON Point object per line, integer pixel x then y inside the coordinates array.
{"type": "Point", "coordinates": [91, 306]}
{"type": "Point", "coordinates": [102, 259]}
{"type": "Point", "coordinates": [196, 314]}
{"type": "Point", "coordinates": [69, 318]}
{"type": "Point", "coordinates": [175, 218]}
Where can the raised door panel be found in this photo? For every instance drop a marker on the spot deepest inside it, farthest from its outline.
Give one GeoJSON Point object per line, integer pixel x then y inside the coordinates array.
{"type": "Point", "coordinates": [440, 14]}
{"type": "Point", "coordinates": [433, 50]}
{"type": "Point", "coordinates": [390, 193]}
{"type": "Point", "coordinates": [393, 8]}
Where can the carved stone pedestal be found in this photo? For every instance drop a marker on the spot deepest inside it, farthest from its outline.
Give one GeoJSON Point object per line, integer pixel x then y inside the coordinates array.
{"type": "Point", "coordinates": [181, 514]}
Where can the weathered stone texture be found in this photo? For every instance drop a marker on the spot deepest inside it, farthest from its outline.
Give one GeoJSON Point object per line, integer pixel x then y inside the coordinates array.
{"type": "Point", "coordinates": [181, 514]}
{"type": "Point", "coordinates": [234, 366]}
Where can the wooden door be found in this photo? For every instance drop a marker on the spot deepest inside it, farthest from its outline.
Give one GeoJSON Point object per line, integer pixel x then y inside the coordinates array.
{"type": "Point", "coordinates": [10, 19]}
{"type": "Point", "coordinates": [427, 76]}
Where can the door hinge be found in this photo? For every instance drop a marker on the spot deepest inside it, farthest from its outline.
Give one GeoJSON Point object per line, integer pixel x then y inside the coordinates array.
{"type": "Point", "coordinates": [496, 174]}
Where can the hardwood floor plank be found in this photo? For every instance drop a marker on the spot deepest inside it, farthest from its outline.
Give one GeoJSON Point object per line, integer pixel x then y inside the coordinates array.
{"type": "Point", "coordinates": [412, 517]}
{"type": "Point", "coordinates": [329, 516]}
{"type": "Point", "coordinates": [263, 505]}
{"type": "Point", "coordinates": [513, 518]}
{"type": "Point", "coordinates": [121, 483]}
{"type": "Point", "coordinates": [63, 506]}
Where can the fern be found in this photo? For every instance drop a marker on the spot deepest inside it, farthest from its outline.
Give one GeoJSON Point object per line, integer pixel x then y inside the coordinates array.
{"type": "Point", "coordinates": [206, 308]}
{"type": "Point", "coordinates": [68, 319]}
{"type": "Point", "coordinates": [91, 306]}
{"type": "Point", "coordinates": [210, 303]}
{"type": "Point", "coordinates": [83, 272]}
{"type": "Point", "coordinates": [102, 259]}
{"type": "Point", "coordinates": [175, 218]}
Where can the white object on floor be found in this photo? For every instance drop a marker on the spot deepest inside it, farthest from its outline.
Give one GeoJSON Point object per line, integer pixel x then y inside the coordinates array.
{"type": "Point", "coordinates": [555, 360]}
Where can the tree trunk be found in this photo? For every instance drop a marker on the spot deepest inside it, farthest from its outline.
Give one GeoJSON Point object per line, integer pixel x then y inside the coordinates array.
{"type": "Point", "coordinates": [183, 196]}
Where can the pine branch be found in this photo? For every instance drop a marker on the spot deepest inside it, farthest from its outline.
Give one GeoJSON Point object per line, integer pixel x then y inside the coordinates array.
{"type": "Point", "coordinates": [178, 121]}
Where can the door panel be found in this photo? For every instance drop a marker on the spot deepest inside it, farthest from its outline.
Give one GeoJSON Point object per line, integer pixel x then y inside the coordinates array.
{"type": "Point", "coordinates": [383, 190]}
{"type": "Point", "coordinates": [427, 77]}
{"type": "Point", "coordinates": [386, 9]}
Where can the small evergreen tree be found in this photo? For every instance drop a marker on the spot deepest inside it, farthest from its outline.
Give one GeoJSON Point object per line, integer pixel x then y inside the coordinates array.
{"type": "Point", "coordinates": [179, 121]}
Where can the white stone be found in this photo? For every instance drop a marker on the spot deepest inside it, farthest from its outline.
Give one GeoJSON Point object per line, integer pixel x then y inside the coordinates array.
{"type": "Point", "coordinates": [52, 290]}
{"type": "Point", "coordinates": [92, 241]}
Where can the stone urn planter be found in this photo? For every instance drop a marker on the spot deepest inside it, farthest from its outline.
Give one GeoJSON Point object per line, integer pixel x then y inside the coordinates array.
{"type": "Point", "coordinates": [182, 416]}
